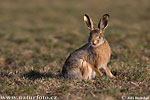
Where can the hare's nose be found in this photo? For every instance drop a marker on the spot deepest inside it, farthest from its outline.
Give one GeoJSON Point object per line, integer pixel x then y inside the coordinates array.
{"type": "Point", "coordinates": [94, 42]}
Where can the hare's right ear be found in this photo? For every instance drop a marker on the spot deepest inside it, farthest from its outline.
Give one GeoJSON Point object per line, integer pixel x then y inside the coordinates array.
{"type": "Point", "coordinates": [89, 22]}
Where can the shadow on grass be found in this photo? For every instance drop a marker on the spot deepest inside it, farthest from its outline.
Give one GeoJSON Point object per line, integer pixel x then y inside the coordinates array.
{"type": "Point", "coordinates": [3, 74]}
{"type": "Point", "coordinates": [115, 73]}
{"type": "Point", "coordinates": [33, 75]}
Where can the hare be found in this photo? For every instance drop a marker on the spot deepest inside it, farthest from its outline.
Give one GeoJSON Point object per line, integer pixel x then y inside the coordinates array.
{"type": "Point", "coordinates": [85, 62]}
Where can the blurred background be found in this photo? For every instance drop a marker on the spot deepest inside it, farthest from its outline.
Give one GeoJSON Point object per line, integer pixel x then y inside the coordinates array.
{"type": "Point", "coordinates": [36, 36]}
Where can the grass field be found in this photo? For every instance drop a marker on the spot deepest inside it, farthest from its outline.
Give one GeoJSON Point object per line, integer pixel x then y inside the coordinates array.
{"type": "Point", "coordinates": [36, 36]}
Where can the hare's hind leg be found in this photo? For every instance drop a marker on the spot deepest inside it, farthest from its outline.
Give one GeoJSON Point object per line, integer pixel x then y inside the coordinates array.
{"type": "Point", "coordinates": [108, 72]}
{"type": "Point", "coordinates": [87, 70]}
{"type": "Point", "coordinates": [86, 73]}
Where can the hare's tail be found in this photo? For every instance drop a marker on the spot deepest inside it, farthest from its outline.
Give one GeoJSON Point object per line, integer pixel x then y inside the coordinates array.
{"type": "Point", "coordinates": [73, 73]}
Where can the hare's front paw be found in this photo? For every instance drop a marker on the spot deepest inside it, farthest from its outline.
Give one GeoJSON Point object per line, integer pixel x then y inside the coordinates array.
{"type": "Point", "coordinates": [113, 76]}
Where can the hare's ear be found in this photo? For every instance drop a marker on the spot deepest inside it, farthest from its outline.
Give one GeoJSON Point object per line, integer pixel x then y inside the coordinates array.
{"type": "Point", "coordinates": [89, 22]}
{"type": "Point", "coordinates": [103, 23]}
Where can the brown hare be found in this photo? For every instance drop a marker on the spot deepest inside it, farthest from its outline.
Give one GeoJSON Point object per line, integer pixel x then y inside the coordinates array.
{"type": "Point", "coordinates": [85, 62]}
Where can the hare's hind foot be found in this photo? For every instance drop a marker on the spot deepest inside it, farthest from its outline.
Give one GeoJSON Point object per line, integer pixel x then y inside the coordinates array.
{"type": "Point", "coordinates": [108, 72]}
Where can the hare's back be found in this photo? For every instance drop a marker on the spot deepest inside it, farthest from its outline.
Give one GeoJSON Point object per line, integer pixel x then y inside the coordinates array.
{"type": "Point", "coordinates": [75, 57]}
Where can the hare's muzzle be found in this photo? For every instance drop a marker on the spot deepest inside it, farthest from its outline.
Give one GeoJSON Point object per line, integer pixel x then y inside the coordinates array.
{"type": "Point", "coordinates": [95, 42]}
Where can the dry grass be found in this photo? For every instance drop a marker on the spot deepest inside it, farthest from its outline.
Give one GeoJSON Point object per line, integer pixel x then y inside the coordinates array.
{"type": "Point", "coordinates": [37, 36]}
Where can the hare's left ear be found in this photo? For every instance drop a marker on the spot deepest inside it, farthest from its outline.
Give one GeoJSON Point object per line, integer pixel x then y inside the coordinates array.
{"type": "Point", "coordinates": [103, 23]}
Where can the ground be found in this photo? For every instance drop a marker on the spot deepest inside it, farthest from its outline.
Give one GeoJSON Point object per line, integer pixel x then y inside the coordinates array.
{"type": "Point", "coordinates": [36, 36]}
